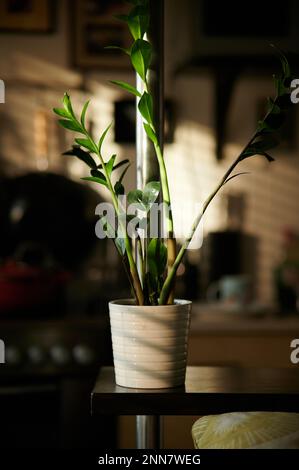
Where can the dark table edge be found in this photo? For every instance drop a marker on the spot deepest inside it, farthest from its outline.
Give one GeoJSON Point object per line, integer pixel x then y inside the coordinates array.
{"type": "Point", "coordinates": [193, 404]}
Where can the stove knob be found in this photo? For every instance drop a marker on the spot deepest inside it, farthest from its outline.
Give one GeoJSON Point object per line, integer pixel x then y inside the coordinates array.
{"type": "Point", "coordinates": [83, 354]}
{"type": "Point", "coordinates": [13, 356]}
{"type": "Point", "coordinates": [60, 355]}
{"type": "Point", "coordinates": [36, 355]}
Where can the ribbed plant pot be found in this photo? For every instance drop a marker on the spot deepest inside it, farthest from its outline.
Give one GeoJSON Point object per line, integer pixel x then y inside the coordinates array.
{"type": "Point", "coordinates": [150, 343]}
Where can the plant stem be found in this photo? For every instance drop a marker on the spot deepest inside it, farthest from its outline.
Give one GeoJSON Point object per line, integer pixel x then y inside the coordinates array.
{"type": "Point", "coordinates": [133, 269]}
{"type": "Point", "coordinates": [168, 284]}
{"type": "Point", "coordinates": [168, 216]}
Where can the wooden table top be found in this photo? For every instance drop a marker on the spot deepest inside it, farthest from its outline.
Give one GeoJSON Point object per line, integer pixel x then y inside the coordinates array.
{"type": "Point", "coordinates": [208, 390]}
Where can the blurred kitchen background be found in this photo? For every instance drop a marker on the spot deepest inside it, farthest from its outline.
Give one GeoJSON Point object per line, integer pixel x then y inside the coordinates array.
{"type": "Point", "coordinates": [56, 277]}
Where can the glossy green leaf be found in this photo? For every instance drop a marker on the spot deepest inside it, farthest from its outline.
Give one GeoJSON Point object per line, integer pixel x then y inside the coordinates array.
{"type": "Point", "coordinates": [236, 175]}
{"type": "Point", "coordinates": [135, 197]}
{"type": "Point", "coordinates": [107, 227]}
{"type": "Point", "coordinates": [157, 257]}
{"type": "Point", "coordinates": [68, 104]}
{"type": "Point", "coordinates": [138, 21]}
{"type": "Point", "coordinates": [124, 173]}
{"type": "Point", "coordinates": [62, 112]}
{"type": "Point", "coordinates": [150, 133]}
{"type": "Point", "coordinates": [110, 164]}
{"type": "Point", "coordinates": [100, 175]}
{"type": "Point", "coordinates": [284, 101]}
{"type": "Point", "coordinates": [82, 155]}
{"type": "Point", "coordinates": [259, 148]}
{"type": "Point", "coordinates": [141, 54]}
{"type": "Point", "coordinates": [284, 61]}
{"type": "Point", "coordinates": [275, 120]}
{"type": "Point", "coordinates": [95, 179]}
{"type": "Point", "coordinates": [121, 245]}
{"type": "Point", "coordinates": [126, 86]}
{"type": "Point", "coordinates": [70, 125]}
{"type": "Point", "coordinates": [86, 143]}
{"type": "Point", "coordinates": [151, 193]}
{"type": "Point", "coordinates": [145, 107]}
{"type": "Point", "coordinates": [103, 136]}
{"type": "Point", "coordinates": [118, 48]}
{"type": "Point", "coordinates": [119, 188]}
{"type": "Point", "coordinates": [83, 114]}
{"type": "Point", "coordinates": [118, 165]}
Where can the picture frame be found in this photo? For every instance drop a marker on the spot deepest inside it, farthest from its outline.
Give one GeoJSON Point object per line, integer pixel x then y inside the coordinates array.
{"type": "Point", "coordinates": [27, 16]}
{"type": "Point", "coordinates": [94, 28]}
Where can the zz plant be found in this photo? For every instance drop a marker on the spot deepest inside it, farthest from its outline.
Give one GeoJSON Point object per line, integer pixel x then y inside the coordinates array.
{"type": "Point", "coordinates": [153, 281]}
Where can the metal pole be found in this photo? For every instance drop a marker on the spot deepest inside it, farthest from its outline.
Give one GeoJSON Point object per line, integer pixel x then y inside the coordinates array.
{"type": "Point", "coordinates": [146, 161]}
{"type": "Point", "coordinates": [147, 166]}
{"type": "Point", "coordinates": [149, 432]}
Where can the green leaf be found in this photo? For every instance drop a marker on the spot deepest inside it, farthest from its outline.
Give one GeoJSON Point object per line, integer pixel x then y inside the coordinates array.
{"type": "Point", "coordinates": [135, 197]}
{"type": "Point", "coordinates": [103, 137]}
{"type": "Point", "coordinates": [120, 244]}
{"type": "Point", "coordinates": [83, 114]}
{"type": "Point", "coordinates": [68, 105]}
{"type": "Point", "coordinates": [157, 258]}
{"type": "Point", "coordinates": [284, 61]}
{"type": "Point", "coordinates": [100, 175]}
{"type": "Point", "coordinates": [126, 86]}
{"type": "Point", "coordinates": [119, 189]}
{"type": "Point", "coordinates": [263, 129]}
{"type": "Point", "coordinates": [107, 228]}
{"type": "Point", "coordinates": [70, 125]}
{"type": "Point", "coordinates": [235, 176]}
{"type": "Point", "coordinates": [86, 143]}
{"type": "Point", "coordinates": [82, 155]}
{"type": "Point", "coordinates": [260, 147]}
{"type": "Point", "coordinates": [265, 144]}
{"type": "Point", "coordinates": [150, 133]}
{"type": "Point", "coordinates": [280, 86]}
{"type": "Point", "coordinates": [124, 173]}
{"type": "Point", "coordinates": [109, 165]}
{"type": "Point", "coordinates": [145, 107]}
{"type": "Point", "coordinates": [138, 21]}
{"type": "Point", "coordinates": [118, 48]}
{"type": "Point", "coordinates": [284, 101]}
{"type": "Point", "coordinates": [151, 193]}
{"type": "Point", "coordinates": [275, 120]}
{"type": "Point", "coordinates": [141, 54]}
{"type": "Point", "coordinates": [273, 107]}
{"type": "Point", "coordinates": [62, 112]}
{"type": "Point", "coordinates": [120, 164]}
{"type": "Point", "coordinates": [95, 179]}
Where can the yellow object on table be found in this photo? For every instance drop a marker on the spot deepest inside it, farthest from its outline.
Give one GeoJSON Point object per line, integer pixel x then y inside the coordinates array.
{"type": "Point", "coordinates": [247, 430]}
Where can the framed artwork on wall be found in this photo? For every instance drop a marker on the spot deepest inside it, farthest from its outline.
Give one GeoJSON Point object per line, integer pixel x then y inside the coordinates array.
{"type": "Point", "coordinates": [27, 16]}
{"type": "Point", "coordinates": [95, 27]}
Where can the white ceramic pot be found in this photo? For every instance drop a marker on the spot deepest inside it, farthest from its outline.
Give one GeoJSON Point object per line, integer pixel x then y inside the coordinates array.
{"type": "Point", "coordinates": [150, 344]}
